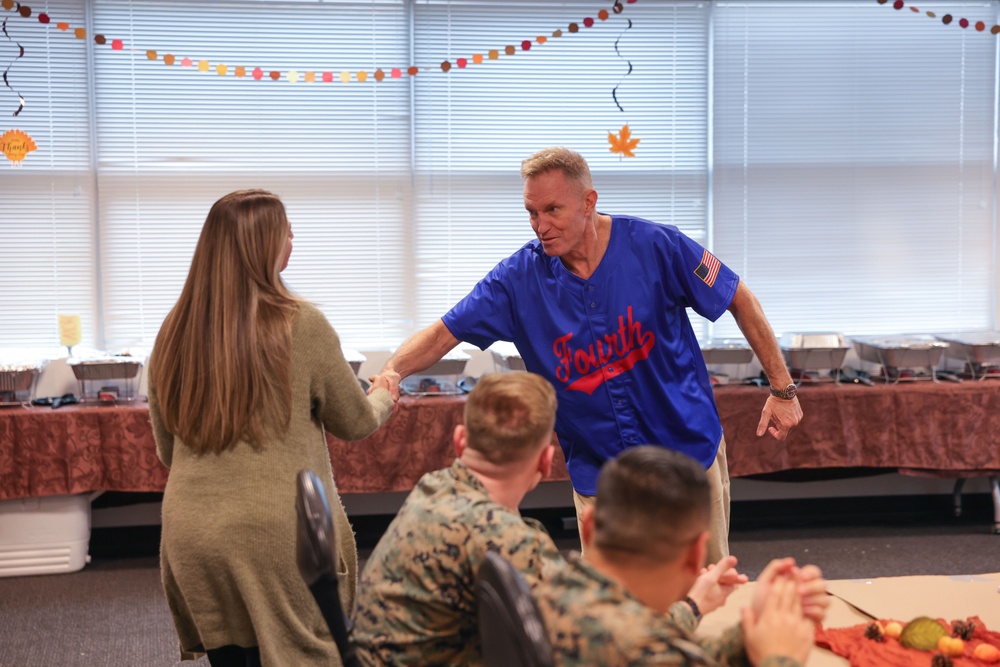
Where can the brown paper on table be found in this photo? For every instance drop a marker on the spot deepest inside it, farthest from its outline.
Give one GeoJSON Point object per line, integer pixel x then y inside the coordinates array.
{"type": "Point", "coordinates": [902, 598]}
{"type": "Point", "coordinates": [905, 598]}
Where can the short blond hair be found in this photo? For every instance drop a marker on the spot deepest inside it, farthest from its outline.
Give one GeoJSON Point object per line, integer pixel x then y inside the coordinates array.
{"type": "Point", "coordinates": [509, 415]}
{"type": "Point", "coordinates": [573, 166]}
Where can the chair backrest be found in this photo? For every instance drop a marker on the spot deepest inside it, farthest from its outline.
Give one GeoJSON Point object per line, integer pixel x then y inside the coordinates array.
{"type": "Point", "coordinates": [510, 628]}
{"type": "Point", "coordinates": [315, 553]}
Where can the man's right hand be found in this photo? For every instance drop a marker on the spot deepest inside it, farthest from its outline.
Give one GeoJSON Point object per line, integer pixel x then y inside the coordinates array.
{"type": "Point", "coordinates": [388, 379]}
{"type": "Point", "coordinates": [779, 628]}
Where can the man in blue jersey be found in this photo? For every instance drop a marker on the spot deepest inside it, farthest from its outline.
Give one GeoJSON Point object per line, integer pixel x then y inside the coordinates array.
{"type": "Point", "coordinates": [597, 305]}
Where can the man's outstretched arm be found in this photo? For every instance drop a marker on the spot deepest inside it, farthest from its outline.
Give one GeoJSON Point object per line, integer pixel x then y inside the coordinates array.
{"type": "Point", "coordinates": [420, 351]}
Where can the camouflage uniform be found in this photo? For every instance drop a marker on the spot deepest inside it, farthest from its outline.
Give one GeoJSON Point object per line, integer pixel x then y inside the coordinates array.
{"type": "Point", "coordinates": [593, 621]}
{"type": "Point", "coordinates": [416, 596]}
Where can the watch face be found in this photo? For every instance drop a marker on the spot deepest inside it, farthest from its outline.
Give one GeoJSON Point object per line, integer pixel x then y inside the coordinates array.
{"type": "Point", "coordinates": [788, 392]}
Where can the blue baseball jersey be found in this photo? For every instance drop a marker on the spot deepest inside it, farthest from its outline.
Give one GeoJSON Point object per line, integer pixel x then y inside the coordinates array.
{"type": "Point", "coordinates": [619, 347]}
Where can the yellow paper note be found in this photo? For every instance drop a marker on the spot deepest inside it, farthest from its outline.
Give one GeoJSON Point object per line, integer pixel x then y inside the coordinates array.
{"type": "Point", "coordinates": [69, 330]}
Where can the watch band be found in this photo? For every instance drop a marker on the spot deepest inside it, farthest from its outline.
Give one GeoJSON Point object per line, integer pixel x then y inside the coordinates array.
{"type": "Point", "coordinates": [694, 608]}
{"type": "Point", "coordinates": [788, 393]}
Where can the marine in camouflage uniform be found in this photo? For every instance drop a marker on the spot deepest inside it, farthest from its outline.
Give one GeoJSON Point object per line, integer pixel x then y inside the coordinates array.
{"type": "Point", "coordinates": [416, 596]}
{"type": "Point", "coordinates": [593, 621]}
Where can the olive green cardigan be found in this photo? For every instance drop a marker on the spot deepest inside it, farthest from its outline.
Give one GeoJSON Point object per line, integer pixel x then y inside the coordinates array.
{"type": "Point", "coordinates": [228, 546]}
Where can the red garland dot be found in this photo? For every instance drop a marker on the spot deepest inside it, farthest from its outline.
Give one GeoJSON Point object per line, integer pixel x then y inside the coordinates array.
{"type": "Point", "coordinates": [898, 4]}
{"type": "Point", "coordinates": [461, 62]}
{"type": "Point", "coordinates": [258, 73]}
{"type": "Point", "coordinates": [327, 77]}
{"type": "Point", "coordinates": [43, 18]}
{"type": "Point", "coordinates": [964, 23]}
{"type": "Point", "coordinates": [980, 26]}
{"type": "Point", "coordinates": [117, 45]}
{"type": "Point", "coordinates": [631, 2]}
{"type": "Point", "coordinates": [589, 22]}
{"type": "Point", "coordinates": [396, 73]}
{"type": "Point", "coordinates": [275, 75]}
{"type": "Point", "coordinates": [525, 45]}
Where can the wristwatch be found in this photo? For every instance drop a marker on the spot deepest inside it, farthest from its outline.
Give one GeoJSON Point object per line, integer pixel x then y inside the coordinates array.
{"type": "Point", "coordinates": [788, 393]}
{"type": "Point", "coordinates": [694, 608]}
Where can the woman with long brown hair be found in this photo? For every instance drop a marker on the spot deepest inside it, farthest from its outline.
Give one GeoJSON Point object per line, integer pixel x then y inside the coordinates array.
{"type": "Point", "coordinates": [243, 381]}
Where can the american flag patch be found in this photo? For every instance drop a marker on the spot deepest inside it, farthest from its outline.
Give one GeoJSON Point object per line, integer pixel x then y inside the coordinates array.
{"type": "Point", "coordinates": [708, 270]}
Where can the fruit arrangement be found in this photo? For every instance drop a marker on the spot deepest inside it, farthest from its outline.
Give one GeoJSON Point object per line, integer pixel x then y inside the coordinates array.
{"type": "Point", "coordinates": [927, 634]}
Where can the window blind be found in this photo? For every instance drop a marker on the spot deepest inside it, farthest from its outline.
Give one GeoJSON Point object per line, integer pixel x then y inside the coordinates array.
{"type": "Point", "coordinates": [172, 140]}
{"type": "Point", "coordinates": [849, 147]}
{"type": "Point", "coordinates": [474, 126]}
{"type": "Point", "coordinates": [854, 164]}
{"type": "Point", "coordinates": [46, 204]}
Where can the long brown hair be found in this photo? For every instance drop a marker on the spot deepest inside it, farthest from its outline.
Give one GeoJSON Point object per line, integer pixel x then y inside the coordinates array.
{"type": "Point", "coordinates": [220, 367]}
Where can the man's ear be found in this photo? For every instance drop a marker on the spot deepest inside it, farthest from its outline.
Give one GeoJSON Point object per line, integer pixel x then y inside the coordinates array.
{"type": "Point", "coordinates": [587, 526]}
{"type": "Point", "coordinates": [460, 439]}
{"type": "Point", "coordinates": [591, 200]}
{"type": "Point", "coordinates": [545, 460]}
{"type": "Point", "coordinates": [697, 551]}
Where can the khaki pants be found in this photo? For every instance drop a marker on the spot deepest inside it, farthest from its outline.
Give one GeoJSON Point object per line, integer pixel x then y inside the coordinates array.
{"type": "Point", "coordinates": [718, 482]}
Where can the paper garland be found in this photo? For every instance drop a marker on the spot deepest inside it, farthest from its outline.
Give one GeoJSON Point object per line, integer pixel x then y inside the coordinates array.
{"type": "Point", "coordinates": [20, 48]}
{"type": "Point", "coordinates": [622, 143]}
{"type": "Point", "coordinates": [946, 19]}
{"type": "Point", "coordinates": [294, 75]}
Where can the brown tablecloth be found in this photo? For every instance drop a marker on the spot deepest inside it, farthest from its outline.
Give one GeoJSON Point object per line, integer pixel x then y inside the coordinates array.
{"type": "Point", "coordinates": [937, 428]}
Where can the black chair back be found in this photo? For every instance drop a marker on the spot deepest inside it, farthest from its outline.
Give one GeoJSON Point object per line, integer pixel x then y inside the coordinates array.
{"type": "Point", "coordinates": [510, 628]}
{"type": "Point", "coordinates": [316, 554]}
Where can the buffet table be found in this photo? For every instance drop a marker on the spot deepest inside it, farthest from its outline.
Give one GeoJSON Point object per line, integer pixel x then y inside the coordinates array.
{"type": "Point", "coordinates": [944, 429]}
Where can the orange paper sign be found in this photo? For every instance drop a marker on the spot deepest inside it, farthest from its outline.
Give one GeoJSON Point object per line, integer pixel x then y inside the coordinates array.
{"type": "Point", "coordinates": [16, 144]}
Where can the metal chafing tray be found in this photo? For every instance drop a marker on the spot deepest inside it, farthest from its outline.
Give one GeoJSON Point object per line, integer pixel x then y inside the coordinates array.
{"type": "Point", "coordinates": [354, 358]}
{"type": "Point", "coordinates": [896, 354]}
{"type": "Point", "coordinates": [17, 383]}
{"type": "Point", "coordinates": [814, 351]}
{"type": "Point", "coordinates": [726, 351]}
{"type": "Point", "coordinates": [441, 379]}
{"type": "Point", "coordinates": [506, 357]}
{"type": "Point", "coordinates": [980, 350]}
{"type": "Point", "coordinates": [119, 372]}
{"type": "Point", "coordinates": [719, 352]}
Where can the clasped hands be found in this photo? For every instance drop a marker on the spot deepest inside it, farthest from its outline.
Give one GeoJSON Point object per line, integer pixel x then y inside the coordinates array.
{"type": "Point", "coordinates": [787, 604]}
{"type": "Point", "coordinates": [388, 380]}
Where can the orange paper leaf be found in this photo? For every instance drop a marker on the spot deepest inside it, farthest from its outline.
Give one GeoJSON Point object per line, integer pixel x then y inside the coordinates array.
{"type": "Point", "coordinates": [623, 143]}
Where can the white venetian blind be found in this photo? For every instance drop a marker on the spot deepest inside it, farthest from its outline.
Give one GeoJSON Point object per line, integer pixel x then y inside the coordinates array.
{"type": "Point", "coordinates": [173, 139]}
{"type": "Point", "coordinates": [854, 163]}
{"type": "Point", "coordinates": [474, 126]}
{"type": "Point", "coordinates": [46, 204]}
